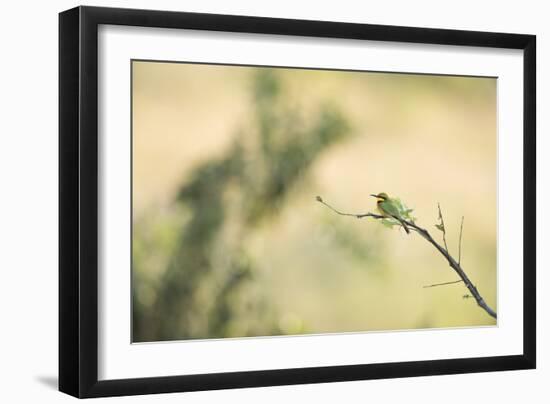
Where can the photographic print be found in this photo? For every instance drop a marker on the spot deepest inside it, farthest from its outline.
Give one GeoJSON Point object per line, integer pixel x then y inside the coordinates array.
{"type": "Point", "coordinates": [270, 201]}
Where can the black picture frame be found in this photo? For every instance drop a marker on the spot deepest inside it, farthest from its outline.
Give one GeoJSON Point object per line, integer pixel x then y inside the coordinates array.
{"type": "Point", "coordinates": [78, 201]}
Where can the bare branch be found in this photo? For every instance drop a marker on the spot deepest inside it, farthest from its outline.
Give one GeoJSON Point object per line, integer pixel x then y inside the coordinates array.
{"type": "Point", "coordinates": [442, 250]}
{"type": "Point", "coordinates": [356, 215]}
{"type": "Point", "coordinates": [441, 284]}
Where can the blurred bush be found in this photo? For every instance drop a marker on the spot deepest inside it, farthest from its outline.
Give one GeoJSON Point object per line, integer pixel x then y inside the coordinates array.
{"type": "Point", "coordinates": [193, 271]}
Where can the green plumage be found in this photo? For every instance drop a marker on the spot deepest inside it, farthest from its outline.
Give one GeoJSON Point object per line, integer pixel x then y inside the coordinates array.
{"type": "Point", "coordinates": [389, 207]}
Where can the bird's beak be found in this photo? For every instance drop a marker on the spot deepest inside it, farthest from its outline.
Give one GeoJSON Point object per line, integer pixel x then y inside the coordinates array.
{"type": "Point", "coordinates": [376, 196]}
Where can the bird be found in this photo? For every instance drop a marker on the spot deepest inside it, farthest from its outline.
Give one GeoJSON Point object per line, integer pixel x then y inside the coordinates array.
{"type": "Point", "coordinates": [388, 208]}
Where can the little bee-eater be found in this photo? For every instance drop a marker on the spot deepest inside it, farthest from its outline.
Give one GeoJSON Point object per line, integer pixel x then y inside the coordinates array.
{"type": "Point", "coordinates": [388, 208]}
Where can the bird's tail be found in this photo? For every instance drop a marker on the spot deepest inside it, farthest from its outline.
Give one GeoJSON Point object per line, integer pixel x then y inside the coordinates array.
{"type": "Point", "coordinates": [403, 224]}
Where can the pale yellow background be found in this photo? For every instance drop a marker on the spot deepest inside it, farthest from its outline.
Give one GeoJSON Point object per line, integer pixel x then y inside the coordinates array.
{"type": "Point", "coordinates": [426, 139]}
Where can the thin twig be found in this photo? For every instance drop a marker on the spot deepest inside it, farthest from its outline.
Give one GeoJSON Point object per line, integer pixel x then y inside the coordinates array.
{"type": "Point", "coordinates": [356, 215]}
{"type": "Point", "coordinates": [460, 241]}
{"type": "Point", "coordinates": [442, 228]}
{"type": "Point", "coordinates": [443, 251]}
{"type": "Point", "coordinates": [441, 284]}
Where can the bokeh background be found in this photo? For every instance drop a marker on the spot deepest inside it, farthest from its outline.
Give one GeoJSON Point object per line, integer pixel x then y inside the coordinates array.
{"type": "Point", "coordinates": [228, 240]}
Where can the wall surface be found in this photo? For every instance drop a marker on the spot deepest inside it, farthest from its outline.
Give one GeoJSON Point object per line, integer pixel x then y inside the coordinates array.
{"type": "Point", "coordinates": [28, 207]}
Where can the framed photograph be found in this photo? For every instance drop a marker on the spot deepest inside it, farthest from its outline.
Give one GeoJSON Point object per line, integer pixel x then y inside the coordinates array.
{"type": "Point", "coordinates": [250, 201]}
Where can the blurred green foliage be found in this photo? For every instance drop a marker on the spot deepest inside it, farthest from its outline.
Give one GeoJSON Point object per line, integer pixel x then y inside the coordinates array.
{"type": "Point", "coordinates": [193, 275]}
